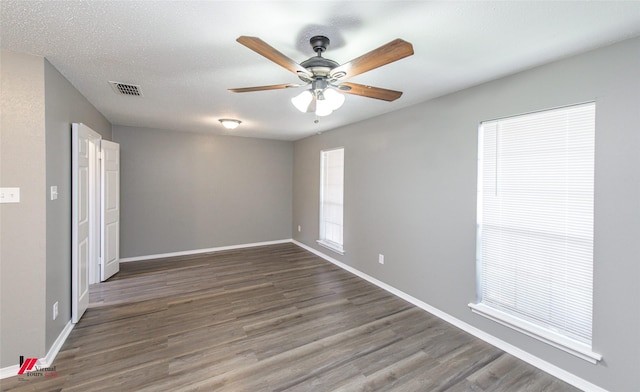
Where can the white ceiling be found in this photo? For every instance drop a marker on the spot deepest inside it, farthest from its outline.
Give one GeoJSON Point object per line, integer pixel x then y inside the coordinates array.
{"type": "Point", "coordinates": [184, 55]}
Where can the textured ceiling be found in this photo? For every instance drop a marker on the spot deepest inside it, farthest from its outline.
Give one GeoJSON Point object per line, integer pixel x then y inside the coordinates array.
{"type": "Point", "coordinates": [184, 55]}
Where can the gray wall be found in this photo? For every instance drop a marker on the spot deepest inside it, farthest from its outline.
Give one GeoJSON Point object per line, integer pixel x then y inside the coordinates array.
{"type": "Point", "coordinates": [410, 194]}
{"type": "Point", "coordinates": [23, 225]}
{"type": "Point", "coordinates": [183, 191]}
{"type": "Point", "coordinates": [38, 106]}
{"type": "Point", "coordinates": [63, 105]}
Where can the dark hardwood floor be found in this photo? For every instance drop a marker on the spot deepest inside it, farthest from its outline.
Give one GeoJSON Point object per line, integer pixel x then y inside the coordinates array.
{"type": "Point", "coordinates": [274, 318]}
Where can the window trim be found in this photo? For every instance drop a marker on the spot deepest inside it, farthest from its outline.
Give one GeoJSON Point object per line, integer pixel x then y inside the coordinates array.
{"type": "Point", "coordinates": [331, 245]}
{"type": "Point", "coordinates": [570, 346]}
{"type": "Point", "coordinates": [547, 335]}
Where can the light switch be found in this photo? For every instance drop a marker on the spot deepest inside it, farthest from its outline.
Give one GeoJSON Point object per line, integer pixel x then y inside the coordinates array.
{"type": "Point", "coordinates": [9, 195]}
{"type": "Point", "coordinates": [54, 192]}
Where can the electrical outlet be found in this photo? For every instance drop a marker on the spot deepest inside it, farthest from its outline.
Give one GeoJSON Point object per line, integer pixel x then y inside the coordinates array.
{"type": "Point", "coordinates": [381, 258]}
{"type": "Point", "coordinates": [54, 192]}
{"type": "Point", "coordinates": [55, 310]}
{"type": "Point", "coordinates": [299, 228]}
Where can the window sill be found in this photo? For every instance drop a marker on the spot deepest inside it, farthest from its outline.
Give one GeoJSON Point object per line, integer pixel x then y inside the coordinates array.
{"type": "Point", "coordinates": [570, 346]}
{"type": "Point", "coordinates": [331, 246]}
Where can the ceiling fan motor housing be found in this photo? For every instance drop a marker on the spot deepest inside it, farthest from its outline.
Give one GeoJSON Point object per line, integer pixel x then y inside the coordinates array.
{"type": "Point", "coordinates": [319, 66]}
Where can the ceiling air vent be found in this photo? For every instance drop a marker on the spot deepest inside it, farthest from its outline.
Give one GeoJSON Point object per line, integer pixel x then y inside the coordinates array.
{"type": "Point", "coordinates": [126, 89]}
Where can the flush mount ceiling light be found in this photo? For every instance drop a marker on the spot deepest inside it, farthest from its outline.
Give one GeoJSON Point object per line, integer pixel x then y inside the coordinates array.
{"type": "Point", "coordinates": [229, 123]}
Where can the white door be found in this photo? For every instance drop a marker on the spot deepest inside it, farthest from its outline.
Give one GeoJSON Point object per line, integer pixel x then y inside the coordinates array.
{"type": "Point", "coordinates": [84, 227]}
{"type": "Point", "coordinates": [110, 210]}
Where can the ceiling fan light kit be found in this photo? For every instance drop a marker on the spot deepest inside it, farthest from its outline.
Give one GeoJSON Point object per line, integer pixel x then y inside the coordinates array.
{"type": "Point", "coordinates": [325, 75]}
{"type": "Point", "coordinates": [320, 98]}
{"type": "Point", "coordinates": [303, 101]}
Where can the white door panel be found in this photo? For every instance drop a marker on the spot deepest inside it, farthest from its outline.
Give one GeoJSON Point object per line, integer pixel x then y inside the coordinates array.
{"type": "Point", "coordinates": [110, 221]}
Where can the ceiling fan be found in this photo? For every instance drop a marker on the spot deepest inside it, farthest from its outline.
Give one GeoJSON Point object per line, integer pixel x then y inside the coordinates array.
{"type": "Point", "coordinates": [325, 76]}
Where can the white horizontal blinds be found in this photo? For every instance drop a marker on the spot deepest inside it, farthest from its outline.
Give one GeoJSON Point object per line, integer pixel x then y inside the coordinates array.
{"type": "Point", "coordinates": [535, 218]}
{"type": "Point", "coordinates": [332, 191]}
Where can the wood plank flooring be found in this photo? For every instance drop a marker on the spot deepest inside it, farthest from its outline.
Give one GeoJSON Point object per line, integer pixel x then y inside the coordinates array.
{"type": "Point", "coordinates": [274, 318]}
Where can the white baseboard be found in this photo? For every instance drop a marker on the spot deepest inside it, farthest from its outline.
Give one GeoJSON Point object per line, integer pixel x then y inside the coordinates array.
{"type": "Point", "coordinates": [9, 371]}
{"type": "Point", "coordinates": [541, 364]}
{"type": "Point", "coordinates": [47, 361]}
{"type": "Point", "coordinates": [200, 251]}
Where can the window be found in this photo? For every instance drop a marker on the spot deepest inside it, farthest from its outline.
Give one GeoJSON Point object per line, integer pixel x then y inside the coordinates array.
{"type": "Point", "coordinates": [331, 199]}
{"type": "Point", "coordinates": [535, 225]}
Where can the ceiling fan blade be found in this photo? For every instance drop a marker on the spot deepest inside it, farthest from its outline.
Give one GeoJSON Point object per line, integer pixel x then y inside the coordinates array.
{"type": "Point", "coordinates": [369, 91]}
{"type": "Point", "coordinates": [268, 51]}
{"type": "Point", "coordinates": [393, 51]}
{"type": "Point", "coordinates": [263, 88]}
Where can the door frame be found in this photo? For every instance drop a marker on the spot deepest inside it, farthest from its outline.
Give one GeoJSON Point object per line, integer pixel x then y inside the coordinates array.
{"type": "Point", "coordinates": [85, 215]}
